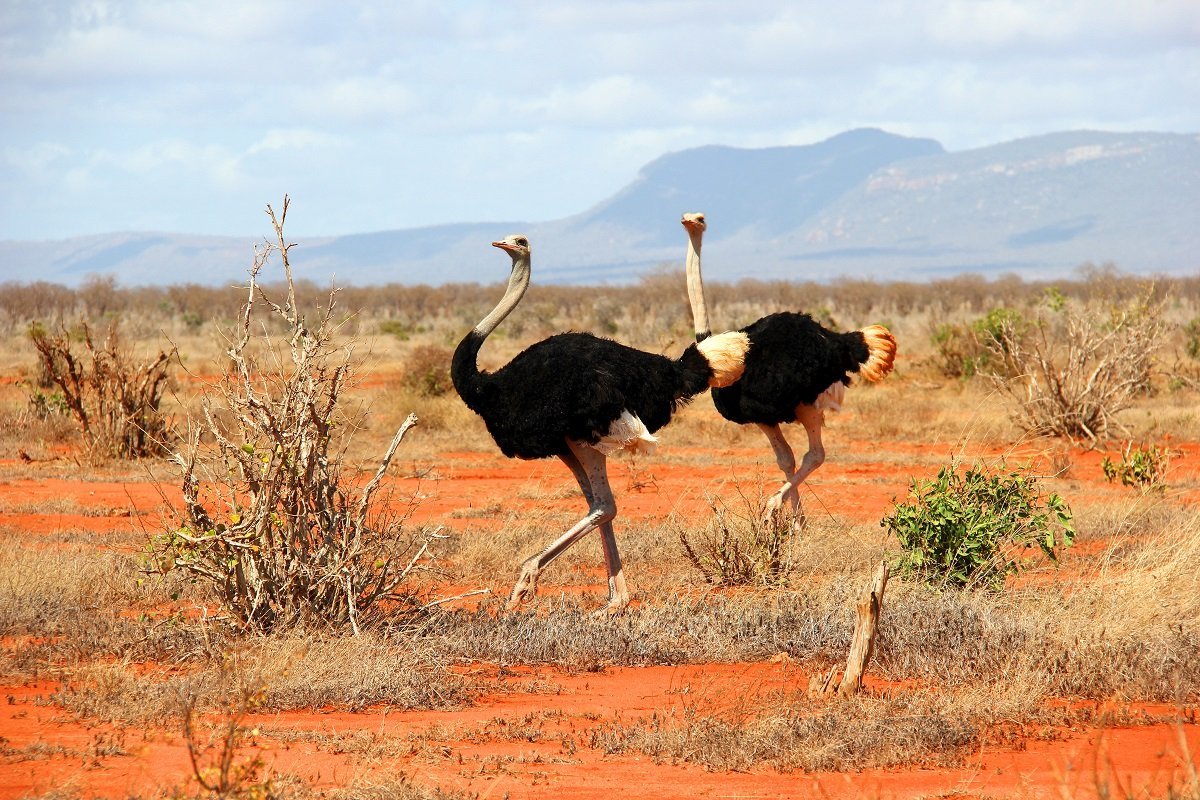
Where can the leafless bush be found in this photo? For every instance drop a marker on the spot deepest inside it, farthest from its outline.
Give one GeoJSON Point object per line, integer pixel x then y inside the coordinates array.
{"type": "Point", "coordinates": [269, 518]}
{"type": "Point", "coordinates": [739, 549]}
{"type": "Point", "coordinates": [220, 765]}
{"type": "Point", "coordinates": [114, 398]}
{"type": "Point", "coordinates": [1077, 366]}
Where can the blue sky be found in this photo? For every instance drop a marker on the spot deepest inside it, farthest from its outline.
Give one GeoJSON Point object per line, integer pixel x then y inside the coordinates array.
{"type": "Point", "coordinates": [191, 116]}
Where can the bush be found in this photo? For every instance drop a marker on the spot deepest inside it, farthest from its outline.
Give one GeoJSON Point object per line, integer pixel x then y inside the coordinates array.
{"type": "Point", "coordinates": [739, 549]}
{"type": "Point", "coordinates": [115, 399]}
{"type": "Point", "coordinates": [966, 350]}
{"type": "Point", "coordinates": [428, 371]}
{"type": "Point", "coordinates": [1077, 367]}
{"type": "Point", "coordinates": [1191, 334]}
{"type": "Point", "coordinates": [269, 520]}
{"type": "Point", "coordinates": [1141, 467]}
{"type": "Point", "coordinates": [963, 529]}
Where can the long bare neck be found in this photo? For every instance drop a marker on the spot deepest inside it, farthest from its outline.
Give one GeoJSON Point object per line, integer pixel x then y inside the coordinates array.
{"type": "Point", "coordinates": [695, 286]}
{"type": "Point", "coordinates": [518, 283]}
{"type": "Point", "coordinates": [464, 369]}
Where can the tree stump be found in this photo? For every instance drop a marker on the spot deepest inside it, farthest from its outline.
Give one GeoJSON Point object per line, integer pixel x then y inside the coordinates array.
{"type": "Point", "coordinates": [866, 624]}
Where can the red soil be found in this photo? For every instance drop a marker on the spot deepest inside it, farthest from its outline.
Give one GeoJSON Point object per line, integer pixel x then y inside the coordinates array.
{"type": "Point", "coordinates": [531, 737]}
{"type": "Point", "coordinates": [536, 745]}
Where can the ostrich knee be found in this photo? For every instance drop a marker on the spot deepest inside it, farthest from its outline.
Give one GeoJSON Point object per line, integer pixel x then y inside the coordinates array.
{"type": "Point", "coordinates": [604, 512]}
{"type": "Point", "coordinates": [812, 459]}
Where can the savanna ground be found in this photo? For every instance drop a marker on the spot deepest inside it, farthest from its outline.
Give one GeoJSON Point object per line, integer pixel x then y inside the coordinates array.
{"type": "Point", "coordinates": [1080, 679]}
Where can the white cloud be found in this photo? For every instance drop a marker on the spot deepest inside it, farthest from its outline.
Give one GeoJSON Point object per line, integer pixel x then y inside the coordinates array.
{"type": "Point", "coordinates": [37, 158]}
{"type": "Point", "coordinates": [292, 139]}
{"type": "Point", "coordinates": [527, 109]}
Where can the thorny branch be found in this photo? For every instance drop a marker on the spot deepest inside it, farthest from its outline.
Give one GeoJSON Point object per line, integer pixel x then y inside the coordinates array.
{"type": "Point", "coordinates": [269, 517]}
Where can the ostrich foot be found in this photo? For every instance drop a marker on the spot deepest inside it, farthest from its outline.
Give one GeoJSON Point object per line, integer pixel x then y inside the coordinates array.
{"type": "Point", "coordinates": [784, 508]}
{"type": "Point", "coordinates": [525, 588]}
{"type": "Point", "coordinates": [617, 604]}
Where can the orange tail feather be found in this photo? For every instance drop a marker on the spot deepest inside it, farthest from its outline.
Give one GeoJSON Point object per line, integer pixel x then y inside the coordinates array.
{"type": "Point", "coordinates": [881, 349]}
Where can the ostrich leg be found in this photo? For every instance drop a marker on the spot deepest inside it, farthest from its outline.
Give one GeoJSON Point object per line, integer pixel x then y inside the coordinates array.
{"type": "Point", "coordinates": [618, 593]}
{"type": "Point", "coordinates": [786, 460]}
{"type": "Point", "coordinates": [813, 419]}
{"type": "Point", "coordinates": [590, 468]}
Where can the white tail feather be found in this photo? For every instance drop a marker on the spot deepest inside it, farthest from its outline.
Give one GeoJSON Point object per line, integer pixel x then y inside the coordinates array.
{"type": "Point", "coordinates": [832, 398]}
{"type": "Point", "coordinates": [726, 356]}
{"type": "Point", "coordinates": [627, 432]}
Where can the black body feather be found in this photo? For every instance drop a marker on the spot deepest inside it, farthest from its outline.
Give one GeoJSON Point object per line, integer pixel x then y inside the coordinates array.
{"type": "Point", "coordinates": [792, 359]}
{"type": "Point", "coordinates": [573, 386]}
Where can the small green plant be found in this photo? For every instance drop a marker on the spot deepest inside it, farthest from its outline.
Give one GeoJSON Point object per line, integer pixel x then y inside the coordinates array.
{"type": "Point", "coordinates": [398, 328]}
{"type": "Point", "coordinates": [192, 321]}
{"type": "Point", "coordinates": [965, 528]}
{"type": "Point", "coordinates": [1142, 467]}
{"type": "Point", "coordinates": [45, 405]}
{"type": "Point", "coordinates": [1054, 298]}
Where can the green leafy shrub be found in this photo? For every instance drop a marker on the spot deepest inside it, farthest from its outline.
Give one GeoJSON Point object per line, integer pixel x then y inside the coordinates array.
{"type": "Point", "coordinates": [400, 329]}
{"type": "Point", "coordinates": [966, 528]}
{"type": "Point", "coordinates": [964, 350]}
{"type": "Point", "coordinates": [1141, 467]}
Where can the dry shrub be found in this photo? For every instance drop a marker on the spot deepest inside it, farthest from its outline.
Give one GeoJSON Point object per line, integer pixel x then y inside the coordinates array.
{"type": "Point", "coordinates": [427, 371]}
{"type": "Point", "coordinates": [1078, 366]}
{"type": "Point", "coordinates": [269, 520]}
{"type": "Point", "coordinates": [115, 398]}
{"type": "Point", "coordinates": [739, 549]}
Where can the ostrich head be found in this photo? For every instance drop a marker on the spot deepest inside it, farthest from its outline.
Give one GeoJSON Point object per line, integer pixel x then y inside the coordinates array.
{"type": "Point", "coordinates": [694, 222]}
{"type": "Point", "coordinates": [515, 244]}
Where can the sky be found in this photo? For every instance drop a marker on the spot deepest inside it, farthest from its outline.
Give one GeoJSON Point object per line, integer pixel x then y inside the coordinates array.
{"type": "Point", "coordinates": [189, 117]}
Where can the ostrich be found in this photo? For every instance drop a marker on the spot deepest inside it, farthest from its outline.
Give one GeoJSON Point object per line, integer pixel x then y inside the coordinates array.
{"type": "Point", "coordinates": [579, 397]}
{"type": "Point", "coordinates": [795, 369]}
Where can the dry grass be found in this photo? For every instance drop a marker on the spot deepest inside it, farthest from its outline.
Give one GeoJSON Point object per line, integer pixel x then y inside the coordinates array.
{"type": "Point", "coordinates": [1118, 623]}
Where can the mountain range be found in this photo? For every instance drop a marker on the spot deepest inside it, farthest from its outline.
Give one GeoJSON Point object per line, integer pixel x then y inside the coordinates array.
{"type": "Point", "coordinates": [862, 204]}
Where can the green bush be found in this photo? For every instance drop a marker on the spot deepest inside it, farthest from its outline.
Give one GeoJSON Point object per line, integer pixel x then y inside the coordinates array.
{"type": "Point", "coordinates": [1141, 467]}
{"type": "Point", "coordinates": [965, 350]}
{"type": "Point", "coordinates": [966, 529]}
{"type": "Point", "coordinates": [400, 329]}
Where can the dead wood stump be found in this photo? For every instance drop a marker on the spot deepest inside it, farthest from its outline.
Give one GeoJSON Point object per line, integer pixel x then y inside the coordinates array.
{"type": "Point", "coordinates": [866, 624]}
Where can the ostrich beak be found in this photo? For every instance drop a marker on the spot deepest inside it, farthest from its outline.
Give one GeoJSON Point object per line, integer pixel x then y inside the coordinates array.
{"type": "Point", "coordinates": [503, 246]}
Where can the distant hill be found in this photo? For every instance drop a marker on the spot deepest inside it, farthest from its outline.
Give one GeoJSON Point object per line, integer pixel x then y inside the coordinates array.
{"type": "Point", "coordinates": [864, 203]}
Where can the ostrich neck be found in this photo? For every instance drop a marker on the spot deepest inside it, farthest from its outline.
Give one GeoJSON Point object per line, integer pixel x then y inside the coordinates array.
{"type": "Point", "coordinates": [464, 369]}
{"type": "Point", "coordinates": [518, 283]}
{"type": "Point", "coordinates": [695, 286]}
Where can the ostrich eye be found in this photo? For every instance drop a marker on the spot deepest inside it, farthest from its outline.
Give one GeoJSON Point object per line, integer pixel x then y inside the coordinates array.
{"type": "Point", "coordinates": [523, 242]}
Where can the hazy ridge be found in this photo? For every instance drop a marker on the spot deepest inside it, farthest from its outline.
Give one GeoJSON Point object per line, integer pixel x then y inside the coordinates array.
{"type": "Point", "coordinates": [865, 203]}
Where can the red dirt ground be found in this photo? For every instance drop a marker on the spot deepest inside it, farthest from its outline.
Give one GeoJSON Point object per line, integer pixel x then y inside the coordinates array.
{"type": "Point", "coordinates": [549, 756]}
